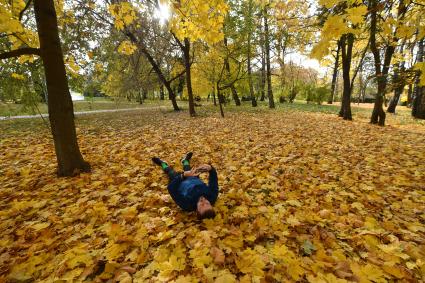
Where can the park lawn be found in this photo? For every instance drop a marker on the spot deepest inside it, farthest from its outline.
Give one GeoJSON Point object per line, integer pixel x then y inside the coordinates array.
{"type": "Point", "coordinates": [304, 195]}
{"type": "Point", "coordinates": [11, 109]}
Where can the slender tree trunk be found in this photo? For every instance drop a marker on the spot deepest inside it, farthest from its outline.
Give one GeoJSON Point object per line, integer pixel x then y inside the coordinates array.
{"type": "Point", "coordinates": [347, 42]}
{"type": "Point", "coordinates": [172, 97]}
{"type": "Point", "coordinates": [396, 98]}
{"type": "Point", "coordinates": [251, 87]}
{"type": "Point", "coordinates": [161, 92]}
{"type": "Point", "coordinates": [267, 47]}
{"type": "Point", "coordinates": [235, 95]}
{"type": "Point", "coordinates": [156, 68]}
{"type": "Point", "coordinates": [409, 95]}
{"type": "Point", "coordinates": [140, 96]}
{"type": "Point", "coordinates": [418, 103]}
{"type": "Point", "coordinates": [186, 53]}
{"type": "Point", "coordinates": [381, 70]}
{"type": "Point", "coordinates": [232, 85]}
{"type": "Point", "coordinates": [220, 99]}
{"type": "Point", "coordinates": [399, 82]}
{"type": "Point", "coordinates": [213, 94]}
{"type": "Point", "coordinates": [263, 78]}
{"type": "Point", "coordinates": [361, 85]}
{"type": "Point", "coordinates": [263, 68]}
{"type": "Point", "coordinates": [335, 74]}
{"type": "Point", "coordinates": [411, 85]}
{"type": "Point", "coordinates": [61, 112]}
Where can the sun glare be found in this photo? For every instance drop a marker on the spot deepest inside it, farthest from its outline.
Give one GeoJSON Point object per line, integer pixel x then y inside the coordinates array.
{"type": "Point", "coordinates": [162, 13]}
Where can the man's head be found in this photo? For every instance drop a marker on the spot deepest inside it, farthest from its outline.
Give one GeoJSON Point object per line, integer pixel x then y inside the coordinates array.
{"type": "Point", "coordinates": [204, 209]}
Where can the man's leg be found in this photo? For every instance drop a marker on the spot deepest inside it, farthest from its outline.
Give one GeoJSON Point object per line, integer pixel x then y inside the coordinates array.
{"type": "Point", "coordinates": [186, 161]}
{"type": "Point", "coordinates": [167, 169]}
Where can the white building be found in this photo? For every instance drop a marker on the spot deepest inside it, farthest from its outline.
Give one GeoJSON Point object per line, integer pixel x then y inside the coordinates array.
{"type": "Point", "coordinates": [76, 96]}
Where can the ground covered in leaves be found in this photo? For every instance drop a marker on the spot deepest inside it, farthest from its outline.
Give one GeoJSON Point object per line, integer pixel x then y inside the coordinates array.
{"type": "Point", "coordinates": [303, 197]}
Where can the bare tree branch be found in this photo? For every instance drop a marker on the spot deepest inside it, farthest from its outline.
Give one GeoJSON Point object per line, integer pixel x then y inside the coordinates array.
{"type": "Point", "coordinates": [20, 52]}
{"type": "Point", "coordinates": [27, 5]}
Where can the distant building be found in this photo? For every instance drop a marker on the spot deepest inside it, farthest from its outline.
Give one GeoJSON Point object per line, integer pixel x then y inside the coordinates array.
{"type": "Point", "coordinates": [76, 96]}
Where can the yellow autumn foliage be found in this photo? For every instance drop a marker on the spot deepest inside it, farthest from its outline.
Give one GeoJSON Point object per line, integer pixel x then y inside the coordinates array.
{"type": "Point", "coordinates": [126, 47]}
{"type": "Point", "coordinates": [199, 20]}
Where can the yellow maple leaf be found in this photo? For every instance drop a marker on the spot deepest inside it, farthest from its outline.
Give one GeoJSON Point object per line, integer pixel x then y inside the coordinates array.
{"type": "Point", "coordinates": [280, 252]}
{"type": "Point", "coordinates": [40, 226]}
{"type": "Point", "coordinates": [249, 262]}
{"type": "Point", "coordinates": [325, 278]}
{"type": "Point", "coordinates": [328, 3]}
{"type": "Point", "coordinates": [293, 221]}
{"type": "Point", "coordinates": [17, 76]}
{"type": "Point", "coordinates": [225, 277]}
{"type": "Point", "coordinates": [127, 47]}
{"type": "Point", "coordinates": [200, 256]}
{"type": "Point", "coordinates": [114, 251]}
{"type": "Point", "coordinates": [295, 270]}
{"type": "Point", "coordinates": [368, 273]}
{"type": "Point", "coordinates": [356, 14]}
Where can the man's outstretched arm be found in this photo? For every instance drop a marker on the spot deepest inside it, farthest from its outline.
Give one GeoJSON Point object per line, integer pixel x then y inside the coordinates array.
{"type": "Point", "coordinates": [213, 183]}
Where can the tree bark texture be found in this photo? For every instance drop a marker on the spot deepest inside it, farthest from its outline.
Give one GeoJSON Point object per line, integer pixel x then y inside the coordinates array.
{"type": "Point", "coordinates": [335, 74]}
{"type": "Point", "coordinates": [347, 42]}
{"type": "Point", "coordinates": [267, 50]}
{"type": "Point", "coordinates": [186, 53]}
{"type": "Point", "coordinates": [418, 102]}
{"type": "Point", "coordinates": [61, 112]}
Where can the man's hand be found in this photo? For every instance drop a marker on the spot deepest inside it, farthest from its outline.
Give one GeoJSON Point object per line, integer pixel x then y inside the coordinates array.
{"type": "Point", "coordinates": [191, 173]}
{"type": "Point", "coordinates": [204, 168]}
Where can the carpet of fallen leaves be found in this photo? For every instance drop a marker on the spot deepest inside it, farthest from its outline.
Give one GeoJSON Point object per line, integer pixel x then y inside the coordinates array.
{"type": "Point", "coordinates": [303, 197]}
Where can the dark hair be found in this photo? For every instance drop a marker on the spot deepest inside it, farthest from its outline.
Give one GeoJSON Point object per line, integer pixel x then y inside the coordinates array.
{"type": "Point", "coordinates": [210, 213]}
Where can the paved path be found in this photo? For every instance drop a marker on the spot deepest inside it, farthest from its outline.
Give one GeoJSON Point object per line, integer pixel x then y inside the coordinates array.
{"type": "Point", "coordinates": [78, 113]}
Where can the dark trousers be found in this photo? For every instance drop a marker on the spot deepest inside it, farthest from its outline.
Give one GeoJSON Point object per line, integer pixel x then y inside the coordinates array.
{"type": "Point", "coordinates": [172, 174]}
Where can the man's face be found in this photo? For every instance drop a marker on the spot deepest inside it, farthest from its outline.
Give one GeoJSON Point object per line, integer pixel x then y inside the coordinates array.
{"type": "Point", "coordinates": [203, 205]}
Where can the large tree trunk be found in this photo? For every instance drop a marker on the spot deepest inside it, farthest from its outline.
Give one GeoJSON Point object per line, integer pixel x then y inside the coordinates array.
{"type": "Point", "coordinates": [61, 112]}
{"type": "Point", "coordinates": [186, 53]}
{"type": "Point", "coordinates": [267, 47]}
{"type": "Point", "coordinates": [378, 114]}
{"type": "Point", "coordinates": [418, 103]}
{"type": "Point", "coordinates": [418, 108]}
{"type": "Point", "coordinates": [347, 42]}
{"type": "Point", "coordinates": [335, 74]}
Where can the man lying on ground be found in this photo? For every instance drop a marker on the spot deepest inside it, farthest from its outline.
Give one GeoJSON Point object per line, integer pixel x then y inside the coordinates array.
{"type": "Point", "coordinates": [188, 191]}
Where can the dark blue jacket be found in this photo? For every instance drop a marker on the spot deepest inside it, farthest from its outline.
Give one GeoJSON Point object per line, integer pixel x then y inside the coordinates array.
{"type": "Point", "coordinates": [186, 192]}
